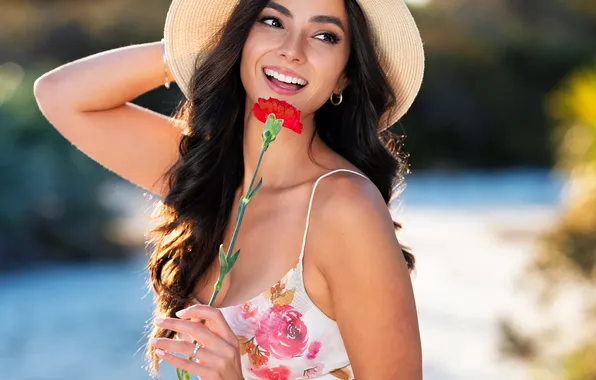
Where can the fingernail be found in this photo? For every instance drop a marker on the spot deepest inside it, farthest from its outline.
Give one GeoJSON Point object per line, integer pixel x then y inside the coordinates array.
{"type": "Point", "coordinates": [159, 352]}
{"type": "Point", "coordinates": [153, 341]}
{"type": "Point", "coordinates": [180, 313]}
{"type": "Point", "coordinates": [159, 321]}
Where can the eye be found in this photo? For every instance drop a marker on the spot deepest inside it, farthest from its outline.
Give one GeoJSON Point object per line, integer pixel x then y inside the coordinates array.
{"type": "Point", "coordinates": [271, 21]}
{"type": "Point", "coordinates": [328, 37]}
{"type": "Point", "coordinates": [274, 22]}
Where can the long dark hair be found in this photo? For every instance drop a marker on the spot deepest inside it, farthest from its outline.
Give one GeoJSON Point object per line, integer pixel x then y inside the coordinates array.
{"type": "Point", "coordinates": [202, 184]}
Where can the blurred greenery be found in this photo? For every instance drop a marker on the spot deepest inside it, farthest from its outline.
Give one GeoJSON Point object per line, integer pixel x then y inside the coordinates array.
{"type": "Point", "coordinates": [568, 251]}
{"type": "Point", "coordinates": [49, 207]}
{"type": "Point", "coordinates": [572, 244]}
{"type": "Point", "coordinates": [50, 203]}
{"type": "Point", "coordinates": [490, 65]}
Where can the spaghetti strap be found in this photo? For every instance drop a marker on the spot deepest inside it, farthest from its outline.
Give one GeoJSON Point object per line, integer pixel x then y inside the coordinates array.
{"type": "Point", "coordinates": [310, 205]}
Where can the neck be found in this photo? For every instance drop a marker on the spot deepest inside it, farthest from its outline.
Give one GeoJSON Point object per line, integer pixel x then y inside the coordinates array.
{"type": "Point", "coordinates": [285, 159]}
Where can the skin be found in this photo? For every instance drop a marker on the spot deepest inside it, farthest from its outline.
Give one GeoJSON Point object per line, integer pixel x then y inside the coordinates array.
{"type": "Point", "coordinates": [349, 219]}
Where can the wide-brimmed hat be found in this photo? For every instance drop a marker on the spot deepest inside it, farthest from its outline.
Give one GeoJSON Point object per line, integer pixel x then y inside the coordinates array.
{"type": "Point", "coordinates": [191, 26]}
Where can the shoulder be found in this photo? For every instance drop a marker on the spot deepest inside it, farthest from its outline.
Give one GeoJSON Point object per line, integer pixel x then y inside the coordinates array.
{"type": "Point", "coordinates": [345, 199]}
{"type": "Point", "coordinates": [358, 254]}
{"type": "Point", "coordinates": [349, 209]}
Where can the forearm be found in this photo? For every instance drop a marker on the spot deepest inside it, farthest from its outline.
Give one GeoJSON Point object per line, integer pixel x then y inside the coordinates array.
{"type": "Point", "coordinates": [107, 79]}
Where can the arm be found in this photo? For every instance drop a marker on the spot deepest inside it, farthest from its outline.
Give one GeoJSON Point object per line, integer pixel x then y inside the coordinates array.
{"type": "Point", "coordinates": [370, 286]}
{"type": "Point", "coordinates": [88, 102]}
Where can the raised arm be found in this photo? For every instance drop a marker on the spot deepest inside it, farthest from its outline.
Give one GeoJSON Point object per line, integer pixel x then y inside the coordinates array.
{"type": "Point", "coordinates": [88, 102]}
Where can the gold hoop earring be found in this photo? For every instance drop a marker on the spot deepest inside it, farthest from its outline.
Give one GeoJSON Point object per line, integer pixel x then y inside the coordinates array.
{"type": "Point", "coordinates": [341, 98]}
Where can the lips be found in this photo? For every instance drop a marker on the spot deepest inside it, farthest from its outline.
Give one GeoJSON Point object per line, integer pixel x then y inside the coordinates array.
{"type": "Point", "coordinates": [272, 70]}
{"type": "Point", "coordinates": [281, 87]}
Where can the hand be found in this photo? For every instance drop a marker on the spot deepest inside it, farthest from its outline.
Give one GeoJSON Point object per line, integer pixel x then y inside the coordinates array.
{"type": "Point", "coordinates": [219, 355]}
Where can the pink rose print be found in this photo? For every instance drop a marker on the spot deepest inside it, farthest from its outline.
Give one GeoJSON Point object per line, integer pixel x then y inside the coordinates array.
{"type": "Point", "coordinates": [314, 371]}
{"type": "Point", "coordinates": [281, 332]}
{"type": "Point", "coordinates": [313, 350]}
{"type": "Point", "coordinates": [278, 373]}
{"type": "Point", "coordinates": [247, 310]}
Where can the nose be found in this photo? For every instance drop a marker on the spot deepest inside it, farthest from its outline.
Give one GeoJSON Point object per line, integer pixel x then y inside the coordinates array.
{"type": "Point", "coordinates": [292, 48]}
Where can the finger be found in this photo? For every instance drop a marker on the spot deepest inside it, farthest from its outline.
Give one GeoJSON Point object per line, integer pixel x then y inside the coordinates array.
{"type": "Point", "coordinates": [205, 372]}
{"type": "Point", "coordinates": [203, 355]}
{"type": "Point", "coordinates": [181, 346]}
{"type": "Point", "coordinates": [217, 322]}
{"type": "Point", "coordinates": [195, 330]}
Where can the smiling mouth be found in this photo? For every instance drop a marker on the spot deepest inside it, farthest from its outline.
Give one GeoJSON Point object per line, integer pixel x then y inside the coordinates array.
{"type": "Point", "coordinates": [284, 82]}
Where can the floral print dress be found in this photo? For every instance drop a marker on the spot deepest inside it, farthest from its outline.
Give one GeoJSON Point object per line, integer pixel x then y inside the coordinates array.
{"type": "Point", "coordinates": [283, 335]}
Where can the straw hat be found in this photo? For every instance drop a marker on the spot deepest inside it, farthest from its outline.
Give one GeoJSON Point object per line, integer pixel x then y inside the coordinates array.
{"type": "Point", "coordinates": [191, 24]}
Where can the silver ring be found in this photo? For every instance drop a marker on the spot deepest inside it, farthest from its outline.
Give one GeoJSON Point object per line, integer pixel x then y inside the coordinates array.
{"type": "Point", "coordinates": [197, 346]}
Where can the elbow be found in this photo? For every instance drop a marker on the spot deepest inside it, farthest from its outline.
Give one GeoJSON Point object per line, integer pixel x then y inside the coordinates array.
{"type": "Point", "coordinates": [43, 88]}
{"type": "Point", "coordinates": [49, 95]}
{"type": "Point", "coordinates": [51, 101]}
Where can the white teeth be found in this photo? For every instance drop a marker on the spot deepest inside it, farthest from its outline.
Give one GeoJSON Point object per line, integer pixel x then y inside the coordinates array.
{"type": "Point", "coordinates": [283, 78]}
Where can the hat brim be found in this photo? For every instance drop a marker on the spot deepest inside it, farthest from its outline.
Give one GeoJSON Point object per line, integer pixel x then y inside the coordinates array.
{"type": "Point", "coordinates": [191, 25]}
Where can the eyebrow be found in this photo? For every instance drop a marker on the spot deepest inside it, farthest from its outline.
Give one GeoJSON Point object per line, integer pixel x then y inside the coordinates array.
{"type": "Point", "coordinates": [317, 19]}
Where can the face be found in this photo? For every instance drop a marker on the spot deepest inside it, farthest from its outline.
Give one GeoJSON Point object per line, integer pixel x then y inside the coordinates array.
{"type": "Point", "coordinates": [300, 41]}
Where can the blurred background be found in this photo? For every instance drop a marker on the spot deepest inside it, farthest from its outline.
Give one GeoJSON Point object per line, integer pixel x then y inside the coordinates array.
{"type": "Point", "coordinates": [499, 208]}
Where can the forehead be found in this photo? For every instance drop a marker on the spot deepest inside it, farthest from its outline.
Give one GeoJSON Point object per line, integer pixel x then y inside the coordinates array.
{"type": "Point", "coordinates": [315, 7]}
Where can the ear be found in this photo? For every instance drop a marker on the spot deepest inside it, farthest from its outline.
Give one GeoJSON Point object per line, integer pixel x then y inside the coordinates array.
{"type": "Point", "coordinates": [342, 83]}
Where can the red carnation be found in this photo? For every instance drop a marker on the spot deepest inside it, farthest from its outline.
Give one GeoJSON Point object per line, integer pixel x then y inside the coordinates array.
{"type": "Point", "coordinates": [282, 111]}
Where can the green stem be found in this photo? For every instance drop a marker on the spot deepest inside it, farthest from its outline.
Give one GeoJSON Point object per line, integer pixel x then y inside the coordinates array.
{"type": "Point", "coordinates": [242, 207]}
{"type": "Point", "coordinates": [252, 181]}
{"type": "Point", "coordinates": [217, 286]}
{"type": "Point", "coordinates": [241, 210]}
{"type": "Point", "coordinates": [214, 295]}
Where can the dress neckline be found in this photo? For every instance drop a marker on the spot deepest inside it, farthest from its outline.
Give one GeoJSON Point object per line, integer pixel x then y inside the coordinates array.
{"type": "Point", "coordinates": [300, 259]}
{"type": "Point", "coordinates": [255, 297]}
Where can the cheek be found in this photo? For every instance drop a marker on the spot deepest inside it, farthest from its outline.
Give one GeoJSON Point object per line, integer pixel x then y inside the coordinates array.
{"type": "Point", "coordinates": [247, 67]}
{"type": "Point", "coordinates": [254, 49]}
{"type": "Point", "coordinates": [329, 68]}
{"type": "Point", "coordinates": [245, 73]}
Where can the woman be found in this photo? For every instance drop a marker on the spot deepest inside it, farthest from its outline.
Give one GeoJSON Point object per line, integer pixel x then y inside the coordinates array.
{"type": "Point", "coordinates": [345, 309]}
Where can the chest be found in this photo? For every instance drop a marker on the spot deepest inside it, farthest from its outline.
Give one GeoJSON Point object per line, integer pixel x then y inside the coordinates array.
{"type": "Point", "coordinates": [269, 239]}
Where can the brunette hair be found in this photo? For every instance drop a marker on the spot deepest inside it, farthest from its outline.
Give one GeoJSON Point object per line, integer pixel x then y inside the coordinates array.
{"type": "Point", "coordinates": [202, 183]}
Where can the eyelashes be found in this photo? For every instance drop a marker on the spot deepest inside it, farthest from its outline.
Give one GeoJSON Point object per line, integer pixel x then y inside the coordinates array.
{"type": "Point", "coordinates": [269, 18]}
{"type": "Point", "coordinates": [331, 38]}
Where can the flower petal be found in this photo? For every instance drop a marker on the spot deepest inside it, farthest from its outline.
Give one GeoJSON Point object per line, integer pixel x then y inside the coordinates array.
{"type": "Point", "coordinates": [282, 111]}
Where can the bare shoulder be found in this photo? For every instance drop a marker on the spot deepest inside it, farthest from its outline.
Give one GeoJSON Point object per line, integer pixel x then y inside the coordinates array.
{"type": "Point", "coordinates": [357, 252]}
{"type": "Point", "coordinates": [346, 198]}
{"type": "Point", "coordinates": [347, 206]}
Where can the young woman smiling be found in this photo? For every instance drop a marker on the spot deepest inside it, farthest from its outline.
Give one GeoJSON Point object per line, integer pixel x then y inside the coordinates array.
{"type": "Point", "coordinates": [336, 305]}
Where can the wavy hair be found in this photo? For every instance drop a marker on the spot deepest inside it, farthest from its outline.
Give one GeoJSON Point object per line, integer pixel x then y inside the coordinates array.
{"type": "Point", "coordinates": [194, 213]}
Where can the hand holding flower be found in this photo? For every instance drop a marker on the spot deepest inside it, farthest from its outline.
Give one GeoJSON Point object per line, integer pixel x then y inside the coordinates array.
{"type": "Point", "coordinates": [219, 355]}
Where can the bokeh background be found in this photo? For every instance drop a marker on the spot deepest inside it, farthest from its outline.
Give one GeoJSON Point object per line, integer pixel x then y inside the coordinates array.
{"type": "Point", "coordinates": [499, 208]}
